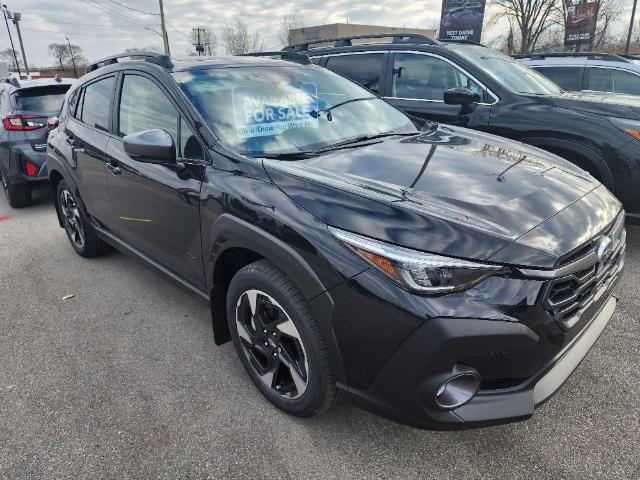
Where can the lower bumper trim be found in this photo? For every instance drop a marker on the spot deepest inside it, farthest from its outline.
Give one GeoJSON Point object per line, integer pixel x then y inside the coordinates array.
{"type": "Point", "coordinates": [555, 377]}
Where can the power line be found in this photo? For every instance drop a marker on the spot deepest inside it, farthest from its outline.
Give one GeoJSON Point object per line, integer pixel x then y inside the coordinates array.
{"type": "Point", "coordinates": [117, 15]}
{"type": "Point", "coordinates": [133, 9]}
{"type": "Point", "coordinates": [92, 34]}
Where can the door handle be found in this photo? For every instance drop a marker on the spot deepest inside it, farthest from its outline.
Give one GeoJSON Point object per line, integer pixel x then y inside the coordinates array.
{"type": "Point", "coordinates": [114, 169]}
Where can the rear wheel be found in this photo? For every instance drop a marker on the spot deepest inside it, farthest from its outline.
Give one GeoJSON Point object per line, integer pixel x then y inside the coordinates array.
{"type": "Point", "coordinates": [81, 234]}
{"type": "Point", "coordinates": [18, 195]}
{"type": "Point", "coordinates": [278, 340]}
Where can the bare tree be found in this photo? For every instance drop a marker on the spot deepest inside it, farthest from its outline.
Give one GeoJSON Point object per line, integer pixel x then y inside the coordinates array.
{"type": "Point", "coordinates": [208, 39]}
{"type": "Point", "coordinates": [148, 48]}
{"type": "Point", "coordinates": [287, 23]}
{"type": "Point", "coordinates": [6, 55]}
{"type": "Point", "coordinates": [237, 39]}
{"type": "Point", "coordinates": [531, 19]}
{"type": "Point", "coordinates": [609, 13]}
{"type": "Point", "coordinates": [59, 51]}
{"type": "Point", "coordinates": [74, 56]}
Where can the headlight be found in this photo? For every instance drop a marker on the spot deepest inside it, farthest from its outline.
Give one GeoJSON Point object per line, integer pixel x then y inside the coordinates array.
{"type": "Point", "coordinates": [630, 127]}
{"type": "Point", "coordinates": [418, 271]}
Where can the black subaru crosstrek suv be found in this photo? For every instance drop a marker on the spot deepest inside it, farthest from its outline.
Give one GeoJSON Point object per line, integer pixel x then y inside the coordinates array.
{"type": "Point", "coordinates": [472, 86]}
{"type": "Point", "coordinates": [440, 276]}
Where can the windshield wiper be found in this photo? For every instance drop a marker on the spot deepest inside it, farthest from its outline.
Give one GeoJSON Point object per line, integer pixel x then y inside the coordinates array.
{"type": "Point", "coordinates": [363, 138]}
{"type": "Point", "coordinates": [286, 155]}
{"type": "Point", "coordinates": [338, 105]}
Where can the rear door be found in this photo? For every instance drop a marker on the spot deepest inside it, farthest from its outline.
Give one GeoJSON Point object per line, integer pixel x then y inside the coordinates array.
{"type": "Point", "coordinates": [157, 206]}
{"type": "Point", "coordinates": [86, 134]}
{"type": "Point", "coordinates": [419, 80]}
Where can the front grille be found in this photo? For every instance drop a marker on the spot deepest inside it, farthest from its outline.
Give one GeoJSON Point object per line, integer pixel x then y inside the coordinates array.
{"type": "Point", "coordinates": [592, 269]}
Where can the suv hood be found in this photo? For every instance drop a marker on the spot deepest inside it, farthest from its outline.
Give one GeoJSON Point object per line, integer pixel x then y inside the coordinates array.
{"type": "Point", "coordinates": [449, 190]}
{"type": "Point", "coordinates": [609, 104]}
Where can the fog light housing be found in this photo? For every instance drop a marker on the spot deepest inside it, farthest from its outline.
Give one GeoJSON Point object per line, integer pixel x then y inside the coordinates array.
{"type": "Point", "coordinates": [458, 389]}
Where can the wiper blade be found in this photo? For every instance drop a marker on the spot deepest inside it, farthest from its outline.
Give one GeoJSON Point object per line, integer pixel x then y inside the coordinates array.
{"type": "Point", "coordinates": [286, 155]}
{"type": "Point", "coordinates": [346, 102]}
{"type": "Point", "coordinates": [364, 138]}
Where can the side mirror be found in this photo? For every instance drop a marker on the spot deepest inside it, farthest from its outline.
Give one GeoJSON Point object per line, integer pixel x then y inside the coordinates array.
{"type": "Point", "coordinates": [53, 122]}
{"type": "Point", "coordinates": [151, 146]}
{"type": "Point", "coordinates": [459, 96]}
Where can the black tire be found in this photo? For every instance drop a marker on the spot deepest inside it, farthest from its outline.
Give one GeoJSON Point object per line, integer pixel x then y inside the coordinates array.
{"type": "Point", "coordinates": [18, 195]}
{"type": "Point", "coordinates": [79, 231]}
{"type": "Point", "coordinates": [274, 286]}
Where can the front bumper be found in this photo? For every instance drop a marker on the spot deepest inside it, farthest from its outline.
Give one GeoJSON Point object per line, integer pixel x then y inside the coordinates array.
{"type": "Point", "coordinates": [405, 388]}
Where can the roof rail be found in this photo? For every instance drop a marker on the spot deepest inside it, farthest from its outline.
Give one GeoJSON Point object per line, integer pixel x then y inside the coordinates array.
{"type": "Point", "coordinates": [396, 37]}
{"type": "Point", "coordinates": [296, 57]}
{"type": "Point", "coordinates": [607, 57]}
{"type": "Point", "coordinates": [151, 57]}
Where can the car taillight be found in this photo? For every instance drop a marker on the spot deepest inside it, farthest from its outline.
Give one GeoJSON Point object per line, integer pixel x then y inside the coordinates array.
{"type": "Point", "coordinates": [31, 169]}
{"type": "Point", "coordinates": [23, 122]}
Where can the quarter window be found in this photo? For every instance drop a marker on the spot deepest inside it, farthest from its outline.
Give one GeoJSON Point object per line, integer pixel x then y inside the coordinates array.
{"type": "Point", "coordinates": [366, 69]}
{"type": "Point", "coordinates": [96, 104]}
{"type": "Point", "coordinates": [569, 78]}
{"type": "Point", "coordinates": [426, 77]}
{"type": "Point", "coordinates": [190, 146]}
{"type": "Point", "coordinates": [626, 82]}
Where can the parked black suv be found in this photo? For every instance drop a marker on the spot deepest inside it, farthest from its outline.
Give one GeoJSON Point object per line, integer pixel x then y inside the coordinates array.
{"type": "Point", "coordinates": [443, 277]}
{"type": "Point", "coordinates": [25, 108]}
{"type": "Point", "coordinates": [473, 86]}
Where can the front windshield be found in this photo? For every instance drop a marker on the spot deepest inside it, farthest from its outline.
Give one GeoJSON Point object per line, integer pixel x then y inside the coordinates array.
{"type": "Point", "coordinates": [512, 74]}
{"type": "Point", "coordinates": [287, 109]}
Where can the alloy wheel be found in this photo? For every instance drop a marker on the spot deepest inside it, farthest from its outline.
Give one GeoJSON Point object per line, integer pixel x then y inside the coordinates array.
{"type": "Point", "coordinates": [71, 217]}
{"type": "Point", "coordinates": [272, 344]}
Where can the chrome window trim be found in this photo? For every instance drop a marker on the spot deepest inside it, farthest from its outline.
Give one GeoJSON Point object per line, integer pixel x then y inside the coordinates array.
{"type": "Point", "coordinates": [415, 52]}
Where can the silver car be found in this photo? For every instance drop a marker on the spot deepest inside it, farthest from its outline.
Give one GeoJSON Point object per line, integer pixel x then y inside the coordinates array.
{"type": "Point", "coordinates": [25, 107]}
{"type": "Point", "coordinates": [596, 72]}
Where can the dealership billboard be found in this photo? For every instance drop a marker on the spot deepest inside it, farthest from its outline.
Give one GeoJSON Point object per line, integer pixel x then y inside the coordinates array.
{"type": "Point", "coordinates": [580, 21]}
{"type": "Point", "coordinates": [462, 20]}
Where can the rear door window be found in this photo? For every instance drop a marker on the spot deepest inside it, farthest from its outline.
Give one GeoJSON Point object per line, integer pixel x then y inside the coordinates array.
{"type": "Point", "coordinates": [569, 78]}
{"type": "Point", "coordinates": [366, 69]}
{"type": "Point", "coordinates": [96, 104]}
{"type": "Point", "coordinates": [600, 79]}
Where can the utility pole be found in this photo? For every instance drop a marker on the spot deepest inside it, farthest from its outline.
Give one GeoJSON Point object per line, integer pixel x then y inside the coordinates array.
{"type": "Point", "coordinates": [73, 58]}
{"type": "Point", "coordinates": [633, 15]}
{"type": "Point", "coordinates": [165, 38]}
{"type": "Point", "coordinates": [15, 57]}
{"type": "Point", "coordinates": [199, 46]}
{"type": "Point", "coordinates": [15, 16]}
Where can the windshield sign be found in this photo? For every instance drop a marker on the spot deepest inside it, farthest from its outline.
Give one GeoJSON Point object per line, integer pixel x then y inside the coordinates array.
{"type": "Point", "coordinates": [264, 113]}
{"type": "Point", "coordinates": [283, 109]}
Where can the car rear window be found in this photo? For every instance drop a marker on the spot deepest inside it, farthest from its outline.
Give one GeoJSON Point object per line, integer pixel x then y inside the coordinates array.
{"type": "Point", "coordinates": [40, 99]}
{"type": "Point", "coordinates": [569, 78]}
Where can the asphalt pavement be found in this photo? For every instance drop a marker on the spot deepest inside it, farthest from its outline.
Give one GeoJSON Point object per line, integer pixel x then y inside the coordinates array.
{"type": "Point", "coordinates": [123, 380]}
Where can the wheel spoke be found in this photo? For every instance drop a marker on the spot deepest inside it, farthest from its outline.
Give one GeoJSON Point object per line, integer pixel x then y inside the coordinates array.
{"type": "Point", "coordinates": [244, 333]}
{"type": "Point", "coordinates": [296, 375]}
{"type": "Point", "coordinates": [288, 328]}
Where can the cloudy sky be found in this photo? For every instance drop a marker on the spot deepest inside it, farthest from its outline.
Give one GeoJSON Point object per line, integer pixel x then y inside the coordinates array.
{"type": "Point", "coordinates": [102, 27]}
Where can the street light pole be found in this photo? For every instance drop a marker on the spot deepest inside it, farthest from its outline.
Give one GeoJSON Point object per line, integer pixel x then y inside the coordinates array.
{"type": "Point", "coordinates": [73, 58]}
{"type": "Point", "coordinates": [165, 38]}
{"type": "Point", "coordinates": [633, 15]}
{"type": "Point", "coordinates": [16, 19]}
{"type": "Point", "coordinates": [13, 48]}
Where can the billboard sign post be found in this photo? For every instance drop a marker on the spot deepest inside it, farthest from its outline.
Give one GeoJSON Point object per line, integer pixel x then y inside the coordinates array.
{"type": "Point", "coordinates": [580, 22]}
{"type": "Point", "coordinates": [462, 20]}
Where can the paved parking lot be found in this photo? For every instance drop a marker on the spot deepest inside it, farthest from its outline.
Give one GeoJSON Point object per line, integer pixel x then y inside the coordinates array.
{"type": "Point", "coordinates": [123, 381]}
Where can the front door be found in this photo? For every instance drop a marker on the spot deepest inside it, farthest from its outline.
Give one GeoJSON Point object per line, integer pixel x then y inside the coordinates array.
{"type": "Point", "coordinates": [157, 206]}
{"type": "Point", "coordinates": [418, 82]}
